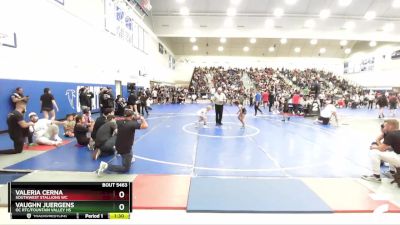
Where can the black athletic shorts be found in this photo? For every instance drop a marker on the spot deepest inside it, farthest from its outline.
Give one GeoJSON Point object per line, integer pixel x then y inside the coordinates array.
{"type": "Point", "coordinates": [47, 109]}
{"type": "Point", "coordinates": [325, 121]}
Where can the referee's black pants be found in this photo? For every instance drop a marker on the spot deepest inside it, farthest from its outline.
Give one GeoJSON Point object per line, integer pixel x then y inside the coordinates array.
{"type": "Point", "coordinates": [219, 109]}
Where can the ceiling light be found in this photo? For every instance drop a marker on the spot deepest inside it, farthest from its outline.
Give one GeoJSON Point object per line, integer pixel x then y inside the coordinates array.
{"type": "Point", "coordinates": [278, 12]}
{"type": "Point", "coordinates": [246, 49]}
{"type": "Point", "coordinates": [184, 11]}
{"type": "Point", "coordinates": [313, 41]}
{"type": "Point", "coordinates": [193, 39]}
{"type": "Point", "coordinates": [231, 12]}
{"type": "Point", "coordinates": [220, 48]}
{"type": "Point", "coordinates": [372, 43]}
{"type": "Point", "coordinates": [347, 50]}
{"type": "Point", "coordinates": [253, 40]}
{"type": "Point", "coordinates": [228, 22]}
{"type": "Point", "coordinates": [290, 2]}
{"type": "Point", "coordinates": [297, 49]}
{"type": "Point", "coordinates": [344, 3]}
{"type": "Point", "coordinates": [343, 42]}
{"type": "Point", "coordinates": [222, 40]}
{"type": "Point", "coordinates": [388, 27]}
{"type": "Point", "coordinates": [325, 13]}
{"type": "Point", "coordinates": [310, 23]}
{"type": "Point", "coordinates": [195, 48]}
{"type": "Point", "coordinates": [283, 41]}
{"type": "Point", "coordinates": [349, 25]}
{"type": "Point", "coordinates": [370, 15]}
{"type": "Point", "coordinates": [271, 49]}
{"type": "Point", "coordinates": [322, 50]}
{"type": "Point", "coordinates": [235, 2]}
{"type": "Point", "coordinates": [187, 22]}
{"type": "Point", "coordinates": [396, 4]}
{"type": "Point", "coordinates": [180, 1]}
{"type": "Point", "coordinates": [269, 23]}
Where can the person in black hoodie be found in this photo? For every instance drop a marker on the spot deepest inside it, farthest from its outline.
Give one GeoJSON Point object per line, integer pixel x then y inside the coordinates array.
{"type": "Point", "coordinates": [124, 142]}
{"type": "Point", "coordinates": [120, 105]}
{"type": "Point", "coordinates": [85, 98]}
{"type": "Point", "coordinates": [271, 100]}
{"type": "Point", "coordinates": [18, 128]}
{"type": "Point", "coordinates": [100, 121]}
{"type": "Point", "coordinates": [81, 131]}
{"type": "Point", "coordinates": [143, 103]}
{"type": "Point", "coordinates": [132, 102]}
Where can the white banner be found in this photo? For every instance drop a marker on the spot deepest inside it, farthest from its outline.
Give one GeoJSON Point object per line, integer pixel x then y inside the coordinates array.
{"type": "Point", "coordinates": [119, 20]}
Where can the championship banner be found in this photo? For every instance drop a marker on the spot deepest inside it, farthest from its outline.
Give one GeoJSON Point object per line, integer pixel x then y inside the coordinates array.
{"type": "Point", "coordinates": [119, 21]}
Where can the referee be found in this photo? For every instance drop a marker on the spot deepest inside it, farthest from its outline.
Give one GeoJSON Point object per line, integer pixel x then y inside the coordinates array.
{"type": "Point", "coordinates": [219, 99]}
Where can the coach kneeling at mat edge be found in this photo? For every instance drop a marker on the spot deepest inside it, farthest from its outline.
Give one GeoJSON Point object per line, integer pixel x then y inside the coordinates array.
{"type": "Point", "coordinates": [219, 100]}
{"type": "Point", "coordinates": [18, 128]}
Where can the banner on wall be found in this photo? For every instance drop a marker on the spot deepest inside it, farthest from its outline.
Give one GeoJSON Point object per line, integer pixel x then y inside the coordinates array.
{"type": "Point", "coordinates": [72, 96]}
{"type": "Point", "coordinates": [359, 65]}
{"type": "Point", "coordinates": [119, 22]}
{"type": "Point", "coordinates": [66, 95]}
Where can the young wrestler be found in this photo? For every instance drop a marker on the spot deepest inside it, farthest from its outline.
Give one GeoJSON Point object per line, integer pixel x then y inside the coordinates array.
{"type": "Point", "coordinates": [241, 113]}
{"type": "Point", "coordinates": [202, 113]}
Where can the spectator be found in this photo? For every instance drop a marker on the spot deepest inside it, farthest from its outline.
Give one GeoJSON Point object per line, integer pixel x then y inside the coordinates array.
{"type": "Point", "coordinates": [18, 129]}
{"type": "Point", "coordinates": [257, 103]}
{"type": "Point", "coordinates": [85, 98]}
{"type": "Point", "coordinates": [124, 142]}
{"type": "Point", "coordinates": [69, 125]}
{"type": "Point", "coordinates": [388, 151]}
{"type": "Point", "coordinates": [105, 138]}
{"type": "Point", "coordinates": [47, 103]}
{"type": "Point", "coordinates": [18, 96]}
{"type": "Point", "coordinates": [81, 131]}
{"type": "Point", "coordinates": [45, 131]}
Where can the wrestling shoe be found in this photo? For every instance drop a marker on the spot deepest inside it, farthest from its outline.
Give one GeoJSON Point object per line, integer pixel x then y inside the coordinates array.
{"type": "Point", "coordinates": [103, 166]}
{"type": "Point", "coordinates": [372, 178]}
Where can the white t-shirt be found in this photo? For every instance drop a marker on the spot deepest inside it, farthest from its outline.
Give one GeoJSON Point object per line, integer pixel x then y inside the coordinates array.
{"type": "Point", "coordinates": [219, 99]}
{"type": "Point", "coordinates": [41, 126]}
{"type": "Point", "coordinates": [202, 112]}
{"type": "Point", "coordinates": [371, 97]}
{"type": "Point", "coordinates": [328, 110]}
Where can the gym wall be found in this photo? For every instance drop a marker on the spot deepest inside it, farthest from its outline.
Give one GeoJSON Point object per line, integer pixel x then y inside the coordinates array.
{"type": "Point", "coordinates": [63, 49]}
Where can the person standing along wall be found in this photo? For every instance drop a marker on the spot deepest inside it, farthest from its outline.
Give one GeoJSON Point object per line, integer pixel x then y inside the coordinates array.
{"type": "Point", "coordinates": [47, 104]}
{"type": "Point", "coordinates": [18, 96]}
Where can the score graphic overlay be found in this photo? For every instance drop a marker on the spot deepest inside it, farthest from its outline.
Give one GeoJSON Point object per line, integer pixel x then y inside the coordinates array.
{"type": "Point", "coordinates": [72, 200]}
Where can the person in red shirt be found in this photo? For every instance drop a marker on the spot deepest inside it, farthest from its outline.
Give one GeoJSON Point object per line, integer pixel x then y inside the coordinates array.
{"type": "Point", "coordinates": [341, 103]}
{"type": "Point", "coordinates": [265, 98]}
{"type": "Point", "coordinates": [296, 102]}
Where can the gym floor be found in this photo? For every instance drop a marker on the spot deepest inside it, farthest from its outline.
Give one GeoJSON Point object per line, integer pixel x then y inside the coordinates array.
{"type": "Point", "coordinates": [317, 155]}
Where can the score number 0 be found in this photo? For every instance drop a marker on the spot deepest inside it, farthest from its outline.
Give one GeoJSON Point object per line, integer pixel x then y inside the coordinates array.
{"type": "Point", "coordinates": [121, 195]}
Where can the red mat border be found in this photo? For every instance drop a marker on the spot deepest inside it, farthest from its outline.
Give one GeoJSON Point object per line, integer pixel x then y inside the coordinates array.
{"type": "Point", "coordinates": [46, 148]}
{"type": "Point", "coordinates": [135, 207]}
